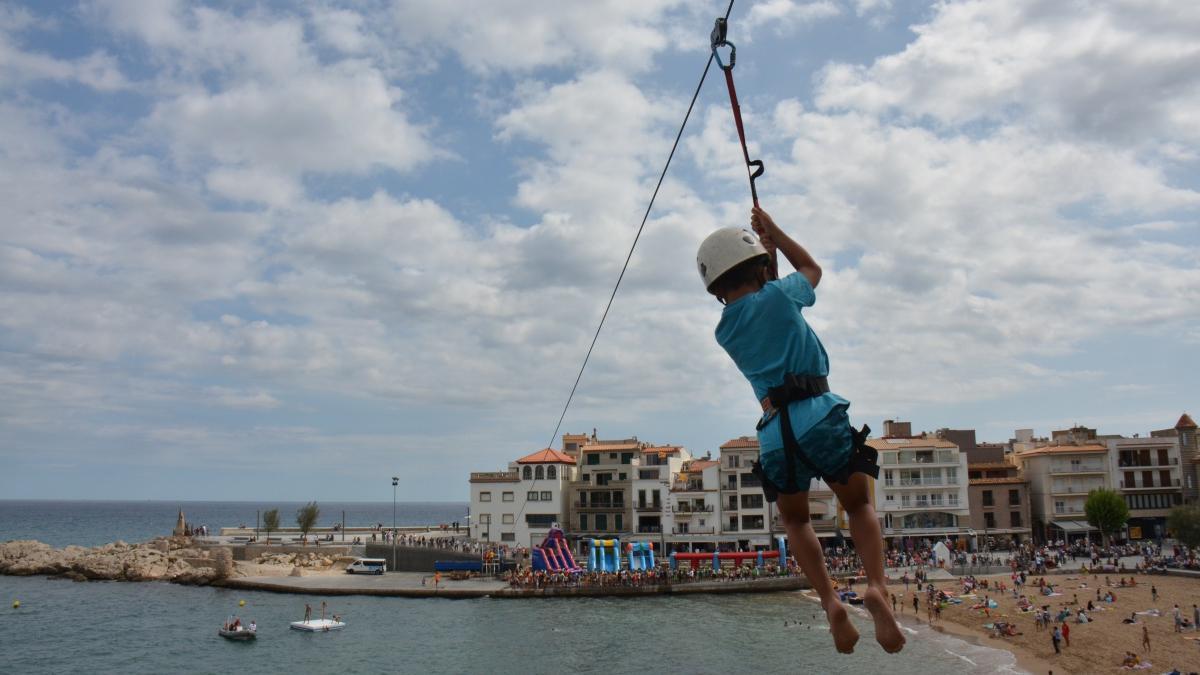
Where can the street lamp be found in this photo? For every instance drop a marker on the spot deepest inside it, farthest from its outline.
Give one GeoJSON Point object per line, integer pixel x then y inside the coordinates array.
{"type": "Point", "coordinates": [395, 482]}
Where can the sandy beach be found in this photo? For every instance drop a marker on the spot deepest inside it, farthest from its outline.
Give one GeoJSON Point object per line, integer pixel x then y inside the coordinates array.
{"type": "Point", "coordinates": [1097, 646]}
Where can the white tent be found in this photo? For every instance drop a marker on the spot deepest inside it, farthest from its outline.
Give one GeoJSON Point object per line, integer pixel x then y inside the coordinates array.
{"type": "Point", "coordinates": [942, 553]}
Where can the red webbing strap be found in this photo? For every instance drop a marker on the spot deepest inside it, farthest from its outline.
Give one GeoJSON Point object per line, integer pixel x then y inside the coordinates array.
{"type": "Point", "coordinates": [737, 119]}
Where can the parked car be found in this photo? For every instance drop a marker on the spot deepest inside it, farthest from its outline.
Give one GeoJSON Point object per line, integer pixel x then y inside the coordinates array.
{"type": "Point", "coordinates": [367, 566]}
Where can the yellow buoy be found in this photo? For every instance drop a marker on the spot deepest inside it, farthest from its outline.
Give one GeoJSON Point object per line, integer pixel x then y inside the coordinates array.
{"type": "Point", "coordinates": [16, 604]}
{"type": "Point", "coordinates": [241, 603]}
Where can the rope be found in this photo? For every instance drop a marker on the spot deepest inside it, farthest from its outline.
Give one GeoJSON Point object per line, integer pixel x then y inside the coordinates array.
{"type": "Point", "coordinates": [629, 256]}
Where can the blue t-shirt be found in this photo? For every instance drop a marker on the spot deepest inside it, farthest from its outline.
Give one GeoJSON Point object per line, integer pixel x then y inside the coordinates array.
{"type": "Point", "coordinates": [767, 338]}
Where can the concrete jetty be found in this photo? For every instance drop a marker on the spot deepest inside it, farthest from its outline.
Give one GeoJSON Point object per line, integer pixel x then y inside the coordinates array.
{"type": "Point", "coordinates": [417, 585]}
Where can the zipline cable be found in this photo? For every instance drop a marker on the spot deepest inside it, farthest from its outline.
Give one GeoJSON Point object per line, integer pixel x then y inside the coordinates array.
{"type": "Point", "coordinates": [629, 256]}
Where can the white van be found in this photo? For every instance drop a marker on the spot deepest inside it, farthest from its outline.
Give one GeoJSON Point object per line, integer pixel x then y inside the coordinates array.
{"type": "Point", "coordinates": [367, 566]}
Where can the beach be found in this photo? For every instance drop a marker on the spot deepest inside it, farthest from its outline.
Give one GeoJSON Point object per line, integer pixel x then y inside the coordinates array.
{"type": "Point", "coordinates": [1097, 646]}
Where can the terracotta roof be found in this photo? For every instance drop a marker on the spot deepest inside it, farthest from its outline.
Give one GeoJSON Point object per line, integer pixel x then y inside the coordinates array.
{"type": "Point", "coordinates": [740, 443]}
{"type": "Point", "coordinates": [996, 481]}
{"type": "Point", "coordinates": [1063, 450]}
{"type": "Point", "coordinates": [630, 444]}
{"type": "Point", "coordinates": [700, 464]}
{"type": "Point", "coordinates": [984, 466]}
{"type": "Point", "coordinates": [546, 456]}
{"type": "Point", "coordinates": [661, 450]}
{"type": "Point", "coordinates": [1185, 422]}
{"type": "Point", "coordinates": [909, 443]}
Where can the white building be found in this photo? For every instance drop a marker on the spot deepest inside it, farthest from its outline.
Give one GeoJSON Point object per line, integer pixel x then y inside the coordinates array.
{"type": "Point", "coordinates": [1060, 477]}
{"type": "Point", "coordinates": [1147, 472]}
{"type": "Point", "coordinates": [518, 506]}
{"type": "Point", "coordinates": [922, 488]}
{"type": "Point", "coordinates": [695, 502]}
{"type": "Point", "coordinates": [745, 513]}
{"type": "Point", "coordinates": [652, 474]}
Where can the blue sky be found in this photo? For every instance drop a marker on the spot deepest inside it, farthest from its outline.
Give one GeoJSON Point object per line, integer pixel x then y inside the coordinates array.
{"type": "Point", "coordinates": [280, 251]}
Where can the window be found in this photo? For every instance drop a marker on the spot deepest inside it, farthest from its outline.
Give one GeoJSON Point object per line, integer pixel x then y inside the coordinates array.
{"type": "Point", "coordinates": [603, 478]}
{"type": "Point", "coordinates": [887, 478]}
{"type": "Point", "coordinates": [626, 457]}
{"type": "Point", "coordinates": [618, 522]}
{"type": "Point", "coordinates": [1015, 518]}
{"type": "Point", "coordinates": [506, 497]}
{"type": "Point", "coordinates": [583, 522]}
{"type": "Point", "coordinates": [752, 501]}
{"type": "Point", "coordinates": [752, 522]}
{"type": "Point", "coordinates": [1014, 497]}
{"type": "Point", "coordinates": [952, 476]}
{"type": "Point", "coordinates": [540, 472]}
{"type": "Point", "coordinates": [987, 498]}
{"type": "Point", "coordinates": [612, 455]}
{"type": "Point", "coordinates": [648, 474]}
{"type": "Point", "coordinates": [593, 458]}
{"type": "Point", "coordinates": [735, 461]}
{"type": "Point", "coordinates": [506, 519]}
{"type": "Point", "coordinates": [1129, 481]}
{"type": "Point", "coordinates": [1164, 478]}
{"type": "Point", "coordinates": [890, 498]}
{"type": "Point", "coordinates": [551, 472]}
{"type": "Point", "coordinates": [485, 496]}
{"type": "Point", "coordinates": [527, 473]}
{"type": "Point", "coordinates": [622, 476]}
{"type": "Point", "coordinates": [540, 519]}
{"type": "Point", "coordinates": [657, 501]}
{"type": "Point", "coordinates": [508, 536]}
{"type": "Point", "coordinates": [485, 519]}
{"type": "Point", "coordinates": [531, 497]}
{"type": "Point", "coordinates": [602, 522]}
{"type": "Point", "coordinates": [1060, 507]}
{"type": "Point", "coordinates": [547, 496]}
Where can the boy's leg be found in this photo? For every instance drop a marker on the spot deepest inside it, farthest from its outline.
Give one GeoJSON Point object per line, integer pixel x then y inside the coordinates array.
{"type": "Point", "coordinates": [868, 540]}
{"type": "Point", "coordinates": [793, 509]}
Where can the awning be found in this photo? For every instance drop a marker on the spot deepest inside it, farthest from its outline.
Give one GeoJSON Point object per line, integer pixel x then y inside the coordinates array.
{"type": "Point", "coordinates": [1073, 526]}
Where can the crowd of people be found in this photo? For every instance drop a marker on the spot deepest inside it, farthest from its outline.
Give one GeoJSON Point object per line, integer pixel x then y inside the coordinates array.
{"type": "Point", "coordinates": [528, 578]}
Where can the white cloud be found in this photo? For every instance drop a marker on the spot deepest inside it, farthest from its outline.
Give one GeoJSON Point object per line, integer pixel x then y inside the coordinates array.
{"type": "Point", "coordinates": [1121, 71]}
{"type": "Point", "coordinates": [788, 14]}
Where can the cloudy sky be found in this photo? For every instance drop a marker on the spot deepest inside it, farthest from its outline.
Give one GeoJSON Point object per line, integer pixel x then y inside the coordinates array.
{"type": "Point", "coordinates": [282, 251]}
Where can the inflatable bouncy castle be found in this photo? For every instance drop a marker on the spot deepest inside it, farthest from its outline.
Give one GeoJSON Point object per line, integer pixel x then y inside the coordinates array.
{"type": "Point", "coordinates": [604, 555]}
{"type": "Point", "coordinates": [554, 555]}
{"type": "Point", "coordinates": [641, 555]}
{"type": "Point", "coordinates": [759, 558]}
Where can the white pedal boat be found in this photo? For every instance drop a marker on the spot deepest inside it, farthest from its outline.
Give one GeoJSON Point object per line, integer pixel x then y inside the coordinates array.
{"type": "Point", "coordinates": [318, 625]}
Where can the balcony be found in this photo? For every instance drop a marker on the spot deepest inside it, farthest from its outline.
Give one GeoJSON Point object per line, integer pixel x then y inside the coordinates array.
{"type": "Point", "coordinates": [729, 488]}
{"type": "Point", "coordinates": [1152, 485]}
{"type": "Point", "coordinates": [909, 457]}
{"type": "Point", "coordinates": [694, 530]}
{"type": "Point", "coordinates": [649, 529]}
{"type": "Point", "coordinates": [1073, 489]}
{"type": "Point", "coordinates": [649, 508]}
{"type": "Point", "coordinates": [691, 508]}
{"type": "Point", "coordinates": [599, 506]}
{"type": "Point", "coordinates": [1060, 511]}
{"type": "Point", "coordinates": [1134, 462]}
{"type": "Point", "coordinates": [1077, 468]}
{"type": "Point", "coordinates": [731, 506]}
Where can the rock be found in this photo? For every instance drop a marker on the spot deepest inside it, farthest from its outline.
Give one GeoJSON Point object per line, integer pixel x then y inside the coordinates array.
{"type": "Point", "coordinates": [296, 572]}
{"type": "Point", "coordinates": [224, 566]}
{"type": "Point", "coordinates": [195, 576]}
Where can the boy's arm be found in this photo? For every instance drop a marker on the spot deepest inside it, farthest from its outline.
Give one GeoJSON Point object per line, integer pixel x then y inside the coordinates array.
{"type": "Point", "coordinates": [778, 239]}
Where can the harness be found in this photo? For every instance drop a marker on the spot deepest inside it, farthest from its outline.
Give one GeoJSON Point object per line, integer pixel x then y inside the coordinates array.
{"type": "Point", "coordinates": [863, 458]}
{"type": "Point", "coordinates": [754, 168]}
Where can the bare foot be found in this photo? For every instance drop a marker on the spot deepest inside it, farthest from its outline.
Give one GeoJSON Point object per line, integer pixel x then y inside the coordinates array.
{"type": "Point", "coordinates": [845, 635]}
{"type": "Point", "coordinates": [887, 632]}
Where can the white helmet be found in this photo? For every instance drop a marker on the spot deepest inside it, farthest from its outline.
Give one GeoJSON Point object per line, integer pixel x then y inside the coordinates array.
{"type": "Point", "coordinates": [725, 249]}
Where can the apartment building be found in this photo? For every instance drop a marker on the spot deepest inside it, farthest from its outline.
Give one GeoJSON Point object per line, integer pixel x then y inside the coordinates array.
{"type": "Point", "coordinates": [520, 505]}
{"type": "Point", "coordinates": [745, 515]}
{"type": "Point", "coordinates": [1147, 473]}
{"type": "Point", "coordinates": [601, 499]}
{"type": "Point", "coordinates": [999, 503]}
{"type": "Point", "coordinates": [1189, 456]}
{"type": "Point", "coordinates": [653, 472]}
{"type": "Point", "coordinates": [1060, 477]}
{"type": "Point", "coordinates": [922, 488]}
{"type": "Point", "coordinates": [695, 503]}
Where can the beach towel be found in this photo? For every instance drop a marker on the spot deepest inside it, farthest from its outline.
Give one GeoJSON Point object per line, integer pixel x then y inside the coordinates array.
{"type": "Point", "coordinates": [1149, 612]}
{"type": "Point", "coordinates": [1144, 665]}
{"type": "Point", "coordinates": [992, 604]}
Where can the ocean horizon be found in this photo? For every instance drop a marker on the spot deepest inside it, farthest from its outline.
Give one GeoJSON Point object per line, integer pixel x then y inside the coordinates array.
{"type": "Point", "coordinates": [87, 522]}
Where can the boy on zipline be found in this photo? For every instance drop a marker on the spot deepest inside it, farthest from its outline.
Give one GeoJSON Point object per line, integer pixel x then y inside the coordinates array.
{"type": "Point", "coordinates": [804, 432]}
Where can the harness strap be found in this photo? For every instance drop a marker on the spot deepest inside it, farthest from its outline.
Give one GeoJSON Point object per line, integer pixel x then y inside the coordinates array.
{"type": "Point", "coordinates": [754, 168]}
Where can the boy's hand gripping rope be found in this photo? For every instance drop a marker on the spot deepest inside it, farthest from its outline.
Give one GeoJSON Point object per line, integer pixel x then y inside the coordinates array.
{"type": "Point", "coordinates": [754, 167]}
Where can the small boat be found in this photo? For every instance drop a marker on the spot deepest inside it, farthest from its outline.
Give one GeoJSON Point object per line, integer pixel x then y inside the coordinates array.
{"type": "Point", "coordinates": [318, 625]}
{"type": "Point", "coordinates": [238, 634]}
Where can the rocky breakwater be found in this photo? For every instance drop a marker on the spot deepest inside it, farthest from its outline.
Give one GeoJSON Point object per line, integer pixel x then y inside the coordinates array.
{"type": "Point", "coordinates": [165, 559]}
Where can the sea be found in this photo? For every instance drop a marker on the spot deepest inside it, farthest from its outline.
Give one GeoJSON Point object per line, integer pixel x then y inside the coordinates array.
{"type": "Point", "coordinates": [155, 627]}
